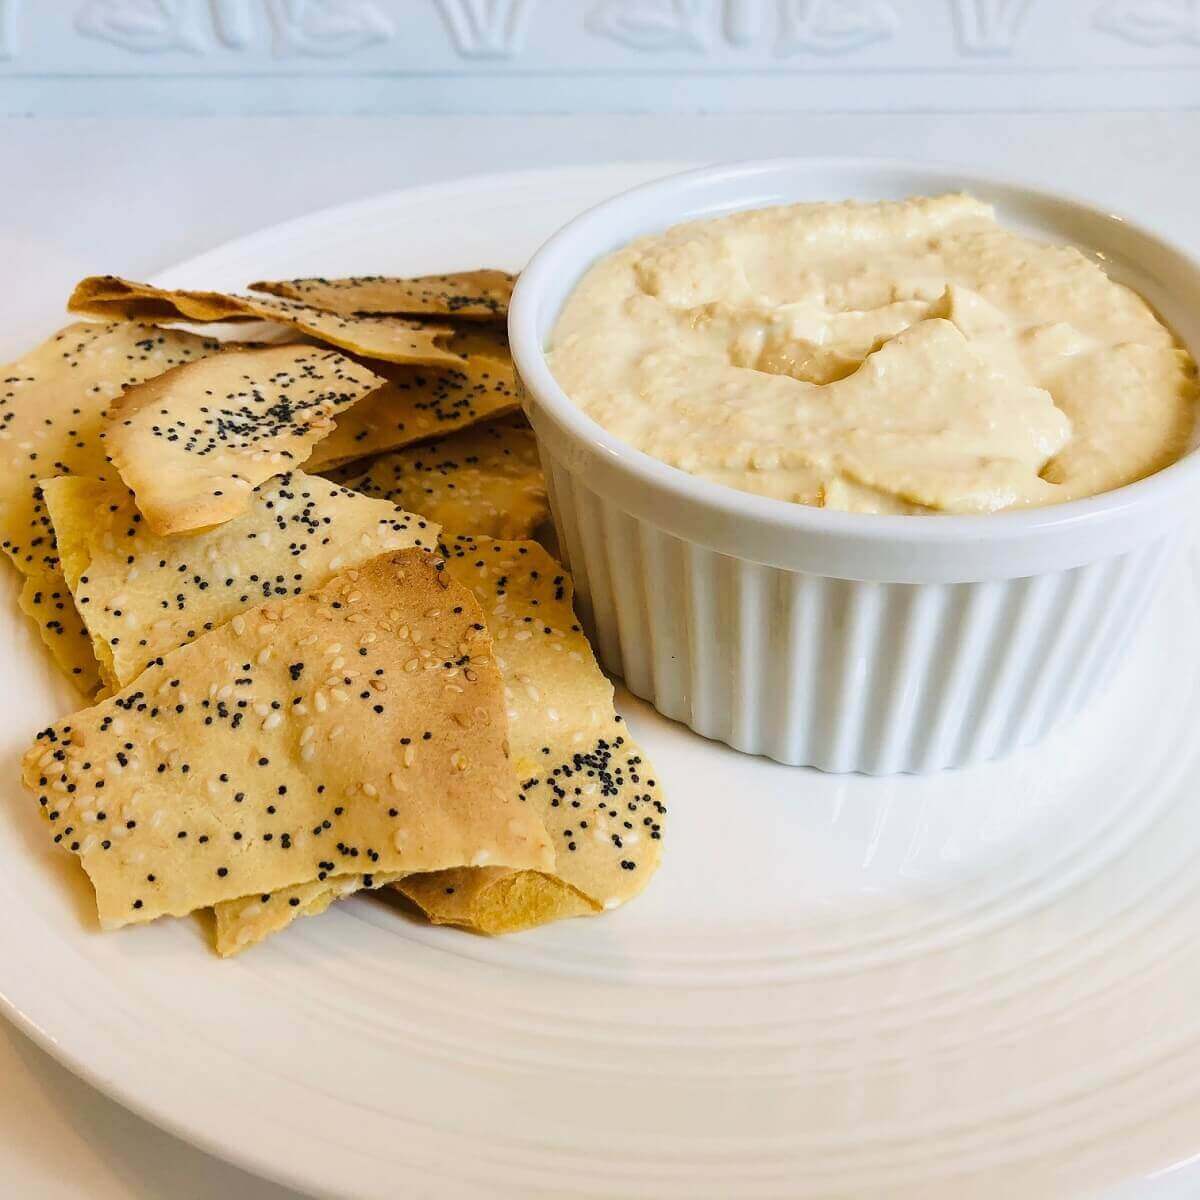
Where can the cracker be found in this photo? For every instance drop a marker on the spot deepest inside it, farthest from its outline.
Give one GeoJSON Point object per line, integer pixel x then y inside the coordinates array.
{"type": "Point", "coordinates": [142, 595]}
{"type": "Point", "coordinates": [193, 443]}
{"type": "Point", "coordinates": [420, 402]}
{"type": "Point", "coordinates": [52, 407]}
{"type": "Point", "coordinates": [46, 599]}
{"type": "Point", "coordinates": [53, 404]}
{"type": "Point", "coordinates": [394, 339]}
{"type": "Point", "coordinates": [576, 764]}
{"type": "Point", "coordinates": [272, 751]}
{"type": "Point", "coordinates": [242, 923]}
{"type": "Point", "coordinates": [113, 298]}
{"type": "Point", "coordinates": [494, 900]}
{"type": "Point", "coordinates": [484, 480]}
{"type": "Point", "coordinates": [469, 295]}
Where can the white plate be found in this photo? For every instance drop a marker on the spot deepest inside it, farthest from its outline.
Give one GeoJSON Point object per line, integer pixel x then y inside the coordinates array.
{"type": "Point", "coordinates": [985, 983]}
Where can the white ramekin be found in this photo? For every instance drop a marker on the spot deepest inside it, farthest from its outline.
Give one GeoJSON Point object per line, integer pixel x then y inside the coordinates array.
{"type": "Point", "coordinates": [845, 641]}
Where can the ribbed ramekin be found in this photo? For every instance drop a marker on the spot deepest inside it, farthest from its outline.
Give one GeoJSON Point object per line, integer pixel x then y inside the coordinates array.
{"type": "Point", "coordinates": [845, 641]}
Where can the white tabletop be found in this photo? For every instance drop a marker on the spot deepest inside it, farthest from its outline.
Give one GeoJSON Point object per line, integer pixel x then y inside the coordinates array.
{"type": "Point", "coordinates": [132, 196]}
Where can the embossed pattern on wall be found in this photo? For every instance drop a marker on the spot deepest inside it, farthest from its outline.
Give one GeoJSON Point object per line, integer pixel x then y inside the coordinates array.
{"type": "Point", "coordinates": [564, 55]}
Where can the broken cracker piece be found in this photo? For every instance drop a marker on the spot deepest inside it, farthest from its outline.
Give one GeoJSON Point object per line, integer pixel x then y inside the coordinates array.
{"type": "Point", "coordinates": [576, 763]}
{"type": "Point", "coordinates": [193, 443]}
{"type": "Point", "coordinates": [469, 295]}
{"type": "Point", "coordinates": [423, 402]}
{"type": "Point", "coordinates": [394, 339]}
{"type": "Point", "coordinates": [142, 595]}
{"type": "Point", "coordinates": [242, 923]}
{"type": "Point", "coordinates": [53, 403]}
{"type": "Point", "coordinates": [46, 599]}
{"type": "Point", "coordinates": [485, 480]}
{"type": "Point", "coordinates": [52, 407]}
{"type": "Point", "coordinates": [494, 900]}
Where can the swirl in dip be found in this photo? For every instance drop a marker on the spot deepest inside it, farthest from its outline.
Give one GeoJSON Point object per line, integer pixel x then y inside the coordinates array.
{"type": "Point", "coordinates": [891, 357]}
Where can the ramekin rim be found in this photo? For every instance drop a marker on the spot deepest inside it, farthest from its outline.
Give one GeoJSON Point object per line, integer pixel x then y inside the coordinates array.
{"type": "Point", "coordinates": [529, 357]}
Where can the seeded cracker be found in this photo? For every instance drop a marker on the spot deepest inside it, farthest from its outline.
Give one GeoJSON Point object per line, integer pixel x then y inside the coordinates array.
{"type": "Point", "coordinates": [52, 406]}
{"type": "Point", "coordinates": [52, 409]}
{"type": "Point", "coordinates": [46, 600]}
{"type": "Point", "coordinates": [270, 752]}
{"type": "Point", "coordinates": [242, 923]}
{"type": "Point", "coordinates": [191, 444]}
{"type": "Point", "coordinates": [494, 900]}
{"type": "Point", "coordinates": [395, 339]}
{"type": "Point", "coordinates": [577, 768]}
{"type": "Point", "coordinates": [142, 595]}
{"type": "Point", "coordinates": [575, 761]}
{"type": "Point", "coordinates": [485, 480]}
{"type": "Point", "coordinates": [421, 402]}
{"type": "Point", "coordinates": [468, 295]}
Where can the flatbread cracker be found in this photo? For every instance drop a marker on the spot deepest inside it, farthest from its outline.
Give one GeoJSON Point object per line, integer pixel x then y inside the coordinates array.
{"type": "Point", "coordinates": [113, 298]}
{"type": "Point", "coordinates": [52, 407]}
{"type": "Point", "coordinates": [46, 600]}
{"type": "Point", "coordinates": [142, 595]}
{"type": "Point", "coordinates": [242, 923]}
{"type": "Point", "coordinates": [272, 751]}
{"type": "Point", "coordinates": [469, 295]}
{"type": "Point", "coordinates": [394, 339]}
{"type": "Point", "coordinates": [485, 480]}
{"type": "Point", "coordinates": [53, 404]}
{"type": "Point", "coordinates": [494, 900]}
{"type": "Point", "coordinates": [420, 402]}
{"type": "Point", "coordinates": [193, 443]}
{"type": "Point", "coordinates": [577, 765]}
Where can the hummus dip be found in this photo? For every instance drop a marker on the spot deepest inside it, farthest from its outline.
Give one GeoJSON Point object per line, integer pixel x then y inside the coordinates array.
{"type": "Point", "coordinates": [889, 357]}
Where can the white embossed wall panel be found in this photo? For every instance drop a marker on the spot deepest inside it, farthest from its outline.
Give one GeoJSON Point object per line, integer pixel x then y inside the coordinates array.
{"type": "Point", "coordinates": [622, 55]}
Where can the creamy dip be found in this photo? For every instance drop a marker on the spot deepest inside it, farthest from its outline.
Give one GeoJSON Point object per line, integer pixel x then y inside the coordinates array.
{"type": "Point", "coordinates": [893, 357]}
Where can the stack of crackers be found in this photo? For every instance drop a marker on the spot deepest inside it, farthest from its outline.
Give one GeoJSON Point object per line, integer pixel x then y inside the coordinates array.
{"type": "Point", "coordinates": [297, 579]}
